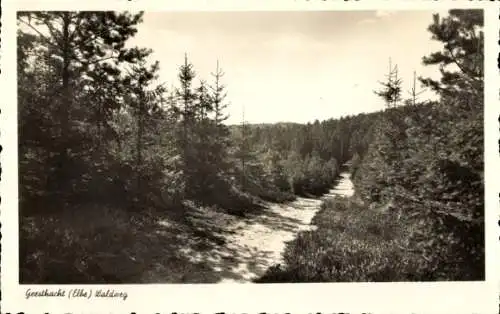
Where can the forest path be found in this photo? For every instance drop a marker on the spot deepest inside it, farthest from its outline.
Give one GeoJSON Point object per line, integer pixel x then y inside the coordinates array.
{"type": "Point", "coordinates": [242, 249]}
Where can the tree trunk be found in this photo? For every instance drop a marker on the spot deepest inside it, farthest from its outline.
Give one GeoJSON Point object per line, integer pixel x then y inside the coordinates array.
{"type": "Point", "coordinates": [64, 111]}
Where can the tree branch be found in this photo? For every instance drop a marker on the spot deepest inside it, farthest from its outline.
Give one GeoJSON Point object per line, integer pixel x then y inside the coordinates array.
{"type": "Point", "coordinates": [51, 30]}
{"type": "Point", "coordinates": [99, 60]}
{"type": "Point", "coordinates": [77, 27]}
{"type": "Point", "coordinates": [88, 41]}
{"type": "Point", "coordinates": [468, 73]}
{"type": "Point", "coordinates": [38, 32]}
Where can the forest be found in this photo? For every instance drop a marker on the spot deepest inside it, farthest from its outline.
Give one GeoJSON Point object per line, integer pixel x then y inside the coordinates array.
{"type": "Point", "coordinates": [105, 149]}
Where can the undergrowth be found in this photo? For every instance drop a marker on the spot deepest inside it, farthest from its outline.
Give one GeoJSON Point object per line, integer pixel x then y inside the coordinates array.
{"type": "Point", "coordinates": [110, 245]}
{"type": "Point", "coordinates": [351, 243]}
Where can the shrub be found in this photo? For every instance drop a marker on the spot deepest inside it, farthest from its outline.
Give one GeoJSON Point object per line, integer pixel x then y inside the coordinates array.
{"type": "Point", "coordinates": [351, 243]}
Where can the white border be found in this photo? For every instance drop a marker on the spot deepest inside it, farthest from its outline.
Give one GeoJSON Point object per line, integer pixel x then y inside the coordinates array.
{"type": "Point", "coordinates": [450, 297]}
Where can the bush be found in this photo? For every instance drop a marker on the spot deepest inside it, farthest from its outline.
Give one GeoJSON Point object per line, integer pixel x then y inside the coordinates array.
{"type": "Point", "coordinates": [351, 243]}
{"type": "Point", "coordinates": [312, 175]}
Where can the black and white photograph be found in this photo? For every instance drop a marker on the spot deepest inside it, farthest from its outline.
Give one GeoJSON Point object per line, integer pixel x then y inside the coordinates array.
{"type": "Point", "coordinates": [250, 147]}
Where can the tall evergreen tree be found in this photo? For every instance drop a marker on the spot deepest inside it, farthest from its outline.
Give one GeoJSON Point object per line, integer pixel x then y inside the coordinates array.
{"type": "Point", "coordinates": [221, 132]}
{"type": "Point", "coordinates": [83, 52]}
{"type": "Point", "coordinates": [143, 101]}
{"type": "Point", "coordinates": [461, 59]}
{"type": "Point", "coordinates": [193, 107]}
{"type": "Point", "coordinates": [201, 142]}
{"type": "Point", "coordinates": [187, 97]}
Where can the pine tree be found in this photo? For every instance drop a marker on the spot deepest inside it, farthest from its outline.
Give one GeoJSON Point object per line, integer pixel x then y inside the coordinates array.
{"type": "Point", "coordinates": [187, 97]}
{"type": "Point", "coordinates": [83, 53]}
{"type": "Point", "coordinates": [143, 102]}
{"type": "Point", "coordinates": [187, 110]}
{"type": "Point", "coordinates": [457, 144]}
{"type": "Point", "coordinates": [461, 60]}
{"type": "Point", "coordinates": [219, 94]}
{"type": "Point", "coordinates": [221, 133]}
{"type": "Point", "coordinates": [201, 142]}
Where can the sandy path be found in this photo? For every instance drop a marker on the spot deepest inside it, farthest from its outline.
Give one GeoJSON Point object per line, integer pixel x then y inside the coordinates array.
{"type": "Point", "coordinates": [270, 236]}
{"type": "Point", "coordinates": [251, 245]}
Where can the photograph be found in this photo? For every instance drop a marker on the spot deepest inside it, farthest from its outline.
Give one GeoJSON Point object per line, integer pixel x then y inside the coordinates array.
{"type": "Point", "coordinates": [212, 147]}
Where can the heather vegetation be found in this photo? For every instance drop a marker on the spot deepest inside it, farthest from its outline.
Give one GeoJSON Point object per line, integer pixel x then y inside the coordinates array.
{"type": "Point", "coordinates": [106, 151]}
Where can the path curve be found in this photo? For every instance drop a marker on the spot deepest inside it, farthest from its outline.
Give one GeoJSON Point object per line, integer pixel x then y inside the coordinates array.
{"type": "Point", "coordinates": [254, 244]}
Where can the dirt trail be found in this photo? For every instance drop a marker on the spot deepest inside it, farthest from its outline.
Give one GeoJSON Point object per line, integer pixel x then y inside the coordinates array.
{"type": "Point", "coordinates": [251, 245]}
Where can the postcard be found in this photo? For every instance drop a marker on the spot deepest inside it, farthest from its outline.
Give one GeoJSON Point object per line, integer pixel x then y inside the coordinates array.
{"type": "Point", "coordinates": [250, 157]}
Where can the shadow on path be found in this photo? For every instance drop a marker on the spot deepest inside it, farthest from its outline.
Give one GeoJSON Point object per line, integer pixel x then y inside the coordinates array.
{"type": "Point", "coordinates": [207, 246]}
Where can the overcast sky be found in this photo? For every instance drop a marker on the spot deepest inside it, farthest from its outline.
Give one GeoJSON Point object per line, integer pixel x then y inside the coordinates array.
{"type": "Point", "coordinates": [293, 66]}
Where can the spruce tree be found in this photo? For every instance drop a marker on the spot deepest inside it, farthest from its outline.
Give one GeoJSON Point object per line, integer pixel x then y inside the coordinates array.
{"type": "Point", "coordinates": [201, 142]}
{"type": "Point", "coordinates": [187, 112]}
{"type": "Point", "coordinates": [391, 88]}
{"type": "Point", "coordinates": [221, 132]}
{"type": "Point", "coordinates": [143, 102]}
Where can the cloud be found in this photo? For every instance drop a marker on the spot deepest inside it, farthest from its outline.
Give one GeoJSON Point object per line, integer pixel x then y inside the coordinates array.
{"type": "Point", "coordinates": [383, 13]}
{"type": "Point", "coordinates": [377, 16]}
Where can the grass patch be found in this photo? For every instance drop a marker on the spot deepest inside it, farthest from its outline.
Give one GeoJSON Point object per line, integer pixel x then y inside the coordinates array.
{"type": "Point", "coordinates": [351, 243]}
{"type": "Point", "coordinates": [78, 246]}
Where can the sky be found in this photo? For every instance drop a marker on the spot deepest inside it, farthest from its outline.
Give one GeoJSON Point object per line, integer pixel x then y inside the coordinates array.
{"type": "Point", "coordinates": [293, 66]}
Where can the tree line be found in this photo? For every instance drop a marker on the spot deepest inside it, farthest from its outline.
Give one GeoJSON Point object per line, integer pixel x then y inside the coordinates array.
{"type": "Point", "coordinates": [108, 132]}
